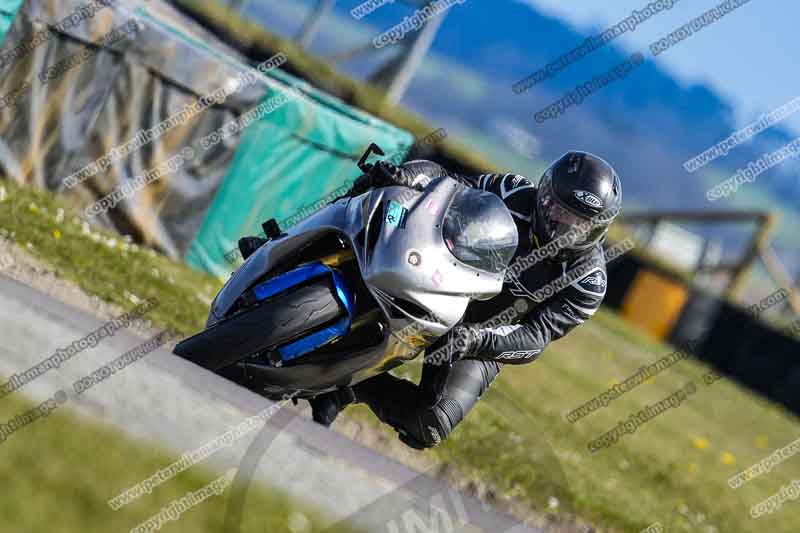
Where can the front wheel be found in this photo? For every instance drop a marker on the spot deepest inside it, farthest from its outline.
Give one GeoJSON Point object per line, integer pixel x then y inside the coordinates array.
{"type": "Point", "coordinates": [269, 324]}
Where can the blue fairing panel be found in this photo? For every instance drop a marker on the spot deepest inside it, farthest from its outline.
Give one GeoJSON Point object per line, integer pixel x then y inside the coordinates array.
{"type": "Point", "coordinates": [296, 277]}
{"type": "Point", "coordinates": [315, 340]}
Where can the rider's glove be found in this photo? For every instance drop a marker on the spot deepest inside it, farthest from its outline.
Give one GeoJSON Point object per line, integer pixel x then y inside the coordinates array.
{"type": "Point", "coordinates": [382, 174]}
{"type": "Point", "coordinates": [464, 341]}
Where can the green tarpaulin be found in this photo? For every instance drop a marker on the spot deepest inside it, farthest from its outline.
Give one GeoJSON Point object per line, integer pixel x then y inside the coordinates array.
{"type": "Point", "coordinates": [8, 10]}
{"type": "Point", "coordinates": [287, 163]}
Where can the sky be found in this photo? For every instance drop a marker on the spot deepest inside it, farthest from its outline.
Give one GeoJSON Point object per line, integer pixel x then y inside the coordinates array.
{"type": "Point", "coordinates": [748, 55]}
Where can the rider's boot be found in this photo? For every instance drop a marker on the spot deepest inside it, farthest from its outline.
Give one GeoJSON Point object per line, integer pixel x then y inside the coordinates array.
{"type": "Point", "coordinates": [248, 245]}
{"type": "Point", "coordinates": [326, 407]}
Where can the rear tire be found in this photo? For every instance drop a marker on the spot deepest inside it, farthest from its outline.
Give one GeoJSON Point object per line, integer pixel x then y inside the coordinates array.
{"type": "Point", "coordinates": [271, 323]}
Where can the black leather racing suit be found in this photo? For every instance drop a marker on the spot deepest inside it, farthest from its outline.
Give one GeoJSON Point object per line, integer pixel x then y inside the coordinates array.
{"type": "Point", "coordinates": [425, 414]}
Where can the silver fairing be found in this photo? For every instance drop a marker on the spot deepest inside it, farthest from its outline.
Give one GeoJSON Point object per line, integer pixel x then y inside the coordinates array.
{"type": "Point", "coordinates": [409, 259]}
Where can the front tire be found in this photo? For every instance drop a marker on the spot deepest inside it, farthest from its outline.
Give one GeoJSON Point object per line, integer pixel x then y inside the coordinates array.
{"type": "Point", "coordinates": [269, 324]}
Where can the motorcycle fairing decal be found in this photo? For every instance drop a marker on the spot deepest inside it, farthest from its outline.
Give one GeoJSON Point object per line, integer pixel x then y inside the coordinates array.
{"type": "Point", "coordinates": [396, 215]}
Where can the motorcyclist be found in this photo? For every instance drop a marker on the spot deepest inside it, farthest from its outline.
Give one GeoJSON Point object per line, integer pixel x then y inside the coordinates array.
{"type": "Point", "coordinates": [579, 190]}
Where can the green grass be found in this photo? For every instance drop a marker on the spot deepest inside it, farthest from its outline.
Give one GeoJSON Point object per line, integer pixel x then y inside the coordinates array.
{"type": "Point", "coordinates": [59, 472]}
{"type": "Point", "coordinates": [673, 470]}
{"type": "Point", "coordinates": [102, 262]}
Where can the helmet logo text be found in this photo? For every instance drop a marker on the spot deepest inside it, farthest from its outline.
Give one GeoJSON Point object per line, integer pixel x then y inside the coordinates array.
{"type": "Point", "coordinates": [589, 199]}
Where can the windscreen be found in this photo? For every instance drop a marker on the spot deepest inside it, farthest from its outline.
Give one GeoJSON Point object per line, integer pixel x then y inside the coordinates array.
{"type": "Point", "coordinates": [479, 231]}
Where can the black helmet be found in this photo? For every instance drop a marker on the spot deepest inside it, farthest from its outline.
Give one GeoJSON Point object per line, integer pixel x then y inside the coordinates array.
{"type": "Point", "coordinates": [578, 198]}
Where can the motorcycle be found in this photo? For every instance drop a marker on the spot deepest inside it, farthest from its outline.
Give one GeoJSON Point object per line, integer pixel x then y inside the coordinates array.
{"type": "Point", "coordinates": [358, 288]}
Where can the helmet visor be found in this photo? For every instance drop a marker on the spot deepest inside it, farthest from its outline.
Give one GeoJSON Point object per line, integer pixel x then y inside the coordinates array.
{"type": "Point", "coordinates": [558, 222]}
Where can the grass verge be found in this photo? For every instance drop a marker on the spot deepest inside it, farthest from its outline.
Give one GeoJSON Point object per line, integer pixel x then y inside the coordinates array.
{"type": "Point", "coordinates": [102, 262]}
{"type": "Point", "coordinates": [60, 471]}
